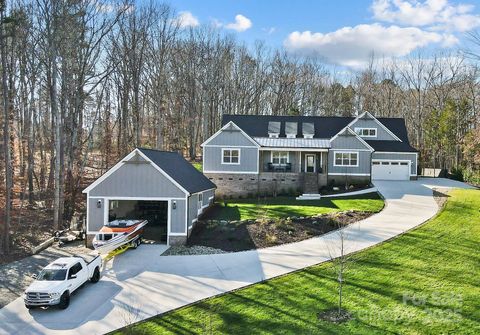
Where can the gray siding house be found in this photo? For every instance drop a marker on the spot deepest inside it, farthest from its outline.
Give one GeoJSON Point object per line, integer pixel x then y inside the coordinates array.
{"type": "Point", "coordinates": [270, 154]}
{"type": "Point", "coordinates": [159, 186]}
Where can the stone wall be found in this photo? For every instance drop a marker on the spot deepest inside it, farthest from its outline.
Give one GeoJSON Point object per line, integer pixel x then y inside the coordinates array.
{"type": "Point", "coordinates": [265, 183]}
{"type": "Point", "coordinates": [177, 240]}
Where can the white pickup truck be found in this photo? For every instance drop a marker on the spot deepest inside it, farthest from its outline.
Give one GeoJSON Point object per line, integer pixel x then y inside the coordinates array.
{"type": "Point", "coordinates": [59, 279]}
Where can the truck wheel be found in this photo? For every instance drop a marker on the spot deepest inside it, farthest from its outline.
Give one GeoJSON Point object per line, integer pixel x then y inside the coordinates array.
{"type": "Point", "coordinates": [96, 275]}
{"type": "Point", "coordinates": [29, 306]}
{"type": "Point", "coordinates": [64, 300]}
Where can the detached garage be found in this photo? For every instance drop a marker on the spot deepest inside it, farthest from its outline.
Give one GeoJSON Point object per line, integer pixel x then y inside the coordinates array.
{"type": "Point", "coordinates": [158, 186]}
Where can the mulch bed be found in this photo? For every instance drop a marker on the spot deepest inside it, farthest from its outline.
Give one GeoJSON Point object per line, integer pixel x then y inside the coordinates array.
{"type": "Point", "coordinates": [262, 233]}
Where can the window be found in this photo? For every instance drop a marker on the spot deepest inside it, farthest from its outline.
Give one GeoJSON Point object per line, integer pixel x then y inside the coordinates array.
{"type": "Point", "coordinates": [366, 132]}
{"type": "Point", "coordinates": [376, 163]}
{"type": "Point", "coordinates": [230, 156]}
{"type": "Point", "coordinates": [403, 163]}
{"type": "Point", "coordinates": [74, 270]}
{"type": "Point", "coordinates": [346, 159]}
{"type": "Point", "coordinates": [200, 200]}
{"type": "Point", "coordinates": [279, 157]}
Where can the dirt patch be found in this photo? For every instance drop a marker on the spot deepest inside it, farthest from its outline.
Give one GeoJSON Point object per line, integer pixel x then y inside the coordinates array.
{"type": "Point", "coordinates": [29, 227]}
{"type": "Point", "coordinates": [255, 234]}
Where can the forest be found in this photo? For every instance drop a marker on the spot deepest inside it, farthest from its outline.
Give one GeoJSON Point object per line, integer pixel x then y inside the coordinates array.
{"type": "Point", "coordinates": [84, 82]}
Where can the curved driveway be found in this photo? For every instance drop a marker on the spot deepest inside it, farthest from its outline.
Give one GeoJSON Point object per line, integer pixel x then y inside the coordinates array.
{"type": "Point", "coordinates": [141, 284]}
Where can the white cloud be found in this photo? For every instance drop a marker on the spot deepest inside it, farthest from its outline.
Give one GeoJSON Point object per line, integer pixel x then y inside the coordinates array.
{"type": "Point", "coordinates": [434, 14]}
{"type": "Point", "coordinates": [353, 46]}
{"type": "Point", "coordinates": [241, 23]}
{"type": "Point", "coordinates": [186, 19]}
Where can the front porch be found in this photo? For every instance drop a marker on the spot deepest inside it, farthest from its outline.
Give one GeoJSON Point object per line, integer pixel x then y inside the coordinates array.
{"type": "Point", "coordinates": [307, 168]}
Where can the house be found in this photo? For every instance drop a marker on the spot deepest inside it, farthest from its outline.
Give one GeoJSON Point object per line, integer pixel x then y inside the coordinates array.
{"type": "Point", "coordinates": [268, 154]}
{"type": "Point", "coordinates": [159, 186]}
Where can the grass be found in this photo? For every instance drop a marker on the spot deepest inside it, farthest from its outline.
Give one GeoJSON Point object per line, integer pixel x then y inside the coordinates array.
{"type": "Point", "coordinates": [198, 166]}
{"type": "Point", "coordinates": [243, 209]}
{"type": "Point", "coordinates": [436, 264]}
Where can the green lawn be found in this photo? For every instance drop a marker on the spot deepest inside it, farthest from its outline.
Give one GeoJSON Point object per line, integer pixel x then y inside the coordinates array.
{"type": "Point", "coordinates": [437, 264]}
{"type": "Point", "coordinates": [198, 166]}
{"type": "Point", "coordinates": [243, 209]}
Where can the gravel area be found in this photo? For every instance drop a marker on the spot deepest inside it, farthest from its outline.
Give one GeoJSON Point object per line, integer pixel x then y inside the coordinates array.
{"type": "Point", "coordinates": [16, 276]}
{"type": "Point", "coordinates": [194, 250]}
{"type": "Point", "coordinates": [440, 195]}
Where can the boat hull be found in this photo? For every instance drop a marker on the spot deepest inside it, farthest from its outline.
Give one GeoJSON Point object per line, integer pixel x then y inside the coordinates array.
{"type": "Point", "coordinates": [123, 236]}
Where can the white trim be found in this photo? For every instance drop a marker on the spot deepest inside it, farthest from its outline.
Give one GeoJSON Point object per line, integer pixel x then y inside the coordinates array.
{"type": "Point", "coordinates": [223, 128]}
{"type": "Point", "coordinates": [177, 234]}
{"type": "Point", "coordinates": [163, 172]}
{"type": "Point", "coordinates": [291, 135]}
{"type": "Point", "coordinates": [293, 149]}
{"type": "Point", "coordinates": [364, 150]}
{"type": "Point", "coordinates": [187, 205]}
{"type": "Point", "coordinates": [109, 172]}
{"type": "Point", "coordinates": [314, 162]}
{"type": "Point", "coordinates": [194, 220]}
{"type": "Point", "coordinates": [235, 146]}
{"type": "Point", "coordinates": [347, 128]}
{"type": "Point", "coordinates": [232, 172]}
{"type": "Point", "coordinates": [365, 128]}
{"type": "Point", "coordinates": [390, 160]}
{"type": "Point", "coordinates": [169, 220]}
{"type": "Point", "coordinates": [279, 151]}
{"type": "Point", "coordinates": [142, 198]}
{"type": "Point", "coordinates": [378, 122]}
{"type": "Point", "coordinates": [230, 149]}
{"type": "Point", "coordinates": [273, 135]}
{"type": "Point", "coordinates": [348, 174]}
{"type": "Point", "coordinates": [213, 188]}
{"type": "Point", "coordinates": [346, 152]}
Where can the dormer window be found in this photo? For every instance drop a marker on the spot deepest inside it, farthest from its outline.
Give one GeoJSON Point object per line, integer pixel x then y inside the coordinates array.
{"type": "Point", "coordinates": [366, 132]}
{"type": "Point", "coordinates": [273, 129]}
{"type": "Point", "coordinates": [291, 129]}
{"type": "Point", "coordinates": [308, 130]}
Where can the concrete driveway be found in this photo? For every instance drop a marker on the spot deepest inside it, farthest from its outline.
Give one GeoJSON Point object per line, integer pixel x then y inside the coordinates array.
{"type": "Point", "coordinates": [140, 284]}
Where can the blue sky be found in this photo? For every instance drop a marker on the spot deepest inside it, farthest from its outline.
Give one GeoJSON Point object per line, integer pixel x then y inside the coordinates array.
{"type": "Point", "coordinates": [341, 32]}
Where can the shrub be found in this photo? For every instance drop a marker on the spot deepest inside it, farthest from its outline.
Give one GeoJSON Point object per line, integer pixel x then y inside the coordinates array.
{"type": "Point", "coordinates": [271, 238]}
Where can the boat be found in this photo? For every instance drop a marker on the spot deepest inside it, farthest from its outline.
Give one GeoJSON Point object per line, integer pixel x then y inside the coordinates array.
{"type": "Point", "coordinates": [118, 233]}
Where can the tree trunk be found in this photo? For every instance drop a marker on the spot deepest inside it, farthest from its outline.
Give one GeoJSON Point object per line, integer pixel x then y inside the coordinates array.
{"type": "Point", "coordinates": [6, 137]}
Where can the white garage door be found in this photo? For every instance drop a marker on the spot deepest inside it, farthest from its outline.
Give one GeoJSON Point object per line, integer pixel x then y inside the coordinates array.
{"type": "Point", "coordinates": [390, 170]}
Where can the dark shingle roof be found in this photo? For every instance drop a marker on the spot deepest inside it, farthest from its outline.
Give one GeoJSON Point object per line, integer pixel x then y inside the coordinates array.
{"type": "Point", "coordinates": [393, 146]}
{"type": "Point", "coordinates": [179, 169]}
{"type": "Point", "coordinates": [325, 126]}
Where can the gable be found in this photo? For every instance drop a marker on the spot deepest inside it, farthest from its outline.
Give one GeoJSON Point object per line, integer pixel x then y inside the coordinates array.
{"type": "Point", "coordinates": [230, 135]}
{"type": "Point", "coordinates": [346, 139]}
{"type": "Point", "coordinates": [134, 179]}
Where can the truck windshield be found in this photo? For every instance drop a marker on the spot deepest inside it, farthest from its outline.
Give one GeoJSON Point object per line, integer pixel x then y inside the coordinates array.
{"type": "Point", "coordinates": [52, 274]}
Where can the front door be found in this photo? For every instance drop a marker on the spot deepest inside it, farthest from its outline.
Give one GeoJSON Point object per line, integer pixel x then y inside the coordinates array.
{"type": "Point", "coordinates": [309, 163]}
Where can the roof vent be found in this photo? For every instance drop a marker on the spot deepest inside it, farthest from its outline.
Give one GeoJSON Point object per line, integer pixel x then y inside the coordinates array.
{"type": "Point", "coordinates": [291, 129]}
{"type": "Point", "coordinates": [308, 130]}
{"type": "Point", "coordinates": [273, 129]}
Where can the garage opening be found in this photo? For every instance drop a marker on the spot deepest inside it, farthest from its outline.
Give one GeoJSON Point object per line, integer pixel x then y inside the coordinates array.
{"type": "Point", "coordinates": [156, 212]}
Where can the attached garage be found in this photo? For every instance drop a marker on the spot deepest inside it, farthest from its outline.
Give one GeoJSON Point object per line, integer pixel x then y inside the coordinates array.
{"type": "Point", "coordinates": [158, 186]}
{"type": "Point", "coordinates": [390, 170]}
